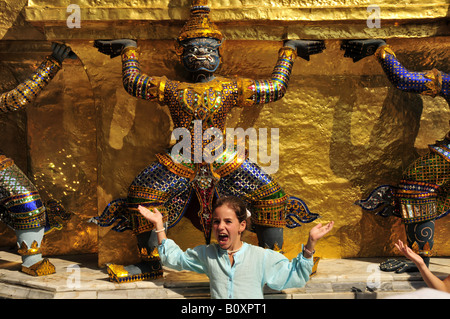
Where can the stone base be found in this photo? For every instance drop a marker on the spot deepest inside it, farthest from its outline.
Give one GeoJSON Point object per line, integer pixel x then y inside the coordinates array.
{"type": "Point", "coordinates": [79, 277]}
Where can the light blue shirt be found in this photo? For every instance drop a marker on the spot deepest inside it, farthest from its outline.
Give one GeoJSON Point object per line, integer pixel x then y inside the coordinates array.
{"type": "Point", "coordinates": [253, 268]}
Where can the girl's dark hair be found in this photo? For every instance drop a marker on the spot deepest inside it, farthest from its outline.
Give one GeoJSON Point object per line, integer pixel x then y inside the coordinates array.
{"type": "Point", "coordinates": [236, 204]}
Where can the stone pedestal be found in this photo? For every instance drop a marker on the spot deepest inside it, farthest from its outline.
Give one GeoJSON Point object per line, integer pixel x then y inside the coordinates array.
{"type": "Point", "coordinates": [343, 128]}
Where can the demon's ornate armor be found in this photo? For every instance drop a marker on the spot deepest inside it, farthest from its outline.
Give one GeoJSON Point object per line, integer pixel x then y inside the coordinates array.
{"type": "Point", "coordinates": [209, 103]}
{"type": "Point", "coordinates": [422, 195]}
{"type": "Point", "coordinates": [21, 206]}
{"type": "Point", "coordinates": [171, 182]}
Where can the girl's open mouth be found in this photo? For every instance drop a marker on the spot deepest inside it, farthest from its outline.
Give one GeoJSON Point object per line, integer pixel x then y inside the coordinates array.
{"type": "Point", "coordinates": [223, 238]}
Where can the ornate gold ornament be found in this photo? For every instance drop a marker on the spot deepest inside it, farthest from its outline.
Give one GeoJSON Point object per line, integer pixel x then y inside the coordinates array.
{"type": "Point", "coordinates": [198, 26]}
{"type": "Point", "coordinates": [42, 268]}
{"type": "Point", "coordinates": [382, 51]}
{"type": "Point", "coordinates": [33, 250]}
{"type": "Point", "coordinates": [118, 273]}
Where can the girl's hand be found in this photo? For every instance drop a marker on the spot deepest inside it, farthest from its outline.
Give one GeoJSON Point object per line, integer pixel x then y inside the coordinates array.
{"type": "Point", "coordinates": [154, 217]}
{"type": "Point", "coordinates": [315, 234]}
{"type": "Point", "coordinates": [319, 231]}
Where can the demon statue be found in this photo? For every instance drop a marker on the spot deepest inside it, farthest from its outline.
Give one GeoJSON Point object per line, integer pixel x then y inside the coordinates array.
{"type": "Point", "coordinates": [421, 196]}
{"type": "Point", "coordinates": [21, 206]}
{"type": "Point", "coordinates": [200, 106]}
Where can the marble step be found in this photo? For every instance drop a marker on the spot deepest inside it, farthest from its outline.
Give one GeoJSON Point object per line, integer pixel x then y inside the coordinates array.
{"type": "Point", "coordinates": [79, 277]}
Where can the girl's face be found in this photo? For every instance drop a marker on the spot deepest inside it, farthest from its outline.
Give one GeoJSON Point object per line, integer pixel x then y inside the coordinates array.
{"type": "Point", "coordinates": [227, 228]}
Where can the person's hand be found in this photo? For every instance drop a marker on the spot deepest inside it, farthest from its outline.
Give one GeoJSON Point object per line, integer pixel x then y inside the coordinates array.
{"type": "Point", "coordinates": [315, 234]}
{"type": "Point", "coordinates": [305, 48]}
{"type": "Point", "coordinates": [319, 231]}
{"type": "Point", "coordinates": [359, 49]}
{"type": "Point", "coordinates": [408, 252]}
{"type": "Point", "coordinates": [113, 48]}
{"type": "Point", "coordinates": [155, 217]}
{"type": "Point", "coordinates": [62, 51]}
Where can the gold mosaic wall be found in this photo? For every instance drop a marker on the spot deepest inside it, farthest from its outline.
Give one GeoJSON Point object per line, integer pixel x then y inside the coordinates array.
{"type": "Point", "coordinates": [343, 128]}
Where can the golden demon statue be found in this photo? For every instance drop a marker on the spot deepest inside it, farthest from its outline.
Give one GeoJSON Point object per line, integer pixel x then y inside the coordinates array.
{"type": "Point", "coordinates": [422, 195]}
{"type": "Point", "coordinates": [21, 206]}
{"type": "Point", "coordinates": [199, 107]}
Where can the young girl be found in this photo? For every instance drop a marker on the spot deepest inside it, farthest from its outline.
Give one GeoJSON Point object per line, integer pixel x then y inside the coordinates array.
{"type": "Point", "coordinates": [236, 270]}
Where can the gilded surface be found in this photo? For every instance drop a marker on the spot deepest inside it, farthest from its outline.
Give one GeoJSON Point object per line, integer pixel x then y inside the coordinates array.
{"type": "Point", "coordinates": [343, 128]}
{"type": "Point", "coordinates": [250, 19]}
{"type": "Point", "coordinates": [54, 142]}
